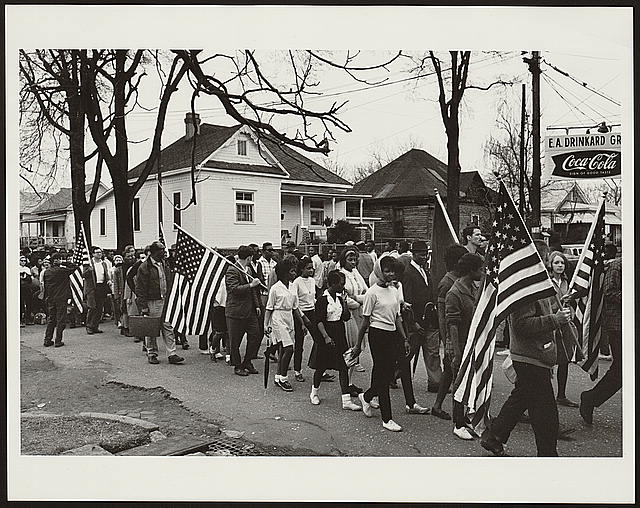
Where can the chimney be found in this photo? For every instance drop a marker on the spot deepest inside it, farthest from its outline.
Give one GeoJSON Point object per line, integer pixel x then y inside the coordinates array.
{"type": "Point", "coordinates": [190, 129]}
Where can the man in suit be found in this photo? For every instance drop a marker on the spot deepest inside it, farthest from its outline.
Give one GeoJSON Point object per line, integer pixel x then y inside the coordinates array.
{"type": "Point", "coordinates": [365, 261]}
{"type": "Point", "coordinates": [419, 292]}
{"type": "Point", "coordinates": [56, 294]}
{"type": "Point", "coordinates": [242, 311]}
{"type": "Point", "coordinates": [97, 284]}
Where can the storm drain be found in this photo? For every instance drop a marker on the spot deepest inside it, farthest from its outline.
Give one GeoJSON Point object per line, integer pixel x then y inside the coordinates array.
{"type": "Point", "coordinates": [221, 446]}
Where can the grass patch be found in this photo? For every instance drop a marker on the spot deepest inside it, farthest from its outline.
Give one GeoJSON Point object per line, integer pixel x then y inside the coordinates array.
{"type": "Point", "coordinates": [54, 435]}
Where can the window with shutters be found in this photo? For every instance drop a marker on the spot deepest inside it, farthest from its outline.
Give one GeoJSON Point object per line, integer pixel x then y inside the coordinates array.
{"type": "Point", "coordinates": [103, 222]}
{"type": "Point", "coordinates": [136, 214]}
{"type": "Point", "coordinates": [244, 206]}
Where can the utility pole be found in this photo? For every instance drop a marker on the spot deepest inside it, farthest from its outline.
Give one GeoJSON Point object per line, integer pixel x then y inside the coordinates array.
{"type": "Point", "coordinates": [523, 160]}
{"type": "Point", "coordinates": [536, 173]}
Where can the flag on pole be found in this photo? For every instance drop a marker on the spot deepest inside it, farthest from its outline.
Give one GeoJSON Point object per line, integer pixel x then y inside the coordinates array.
{"type": "Point", "coordinates": [442, 236]}
{"type": "Point", "coordinates": [199, 271]}
{"type": "Point", "coordinates": [588, 281]}
{"type": "Point", "coordinates": [162, 236]}
{"type": "Point", "coordinates": [515, 275]}
{"type": "Point", "coordinates": [80, 258]}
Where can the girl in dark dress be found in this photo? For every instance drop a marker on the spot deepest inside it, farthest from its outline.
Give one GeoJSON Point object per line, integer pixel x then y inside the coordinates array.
{"type": "Point", "coordinates": [330, 342]}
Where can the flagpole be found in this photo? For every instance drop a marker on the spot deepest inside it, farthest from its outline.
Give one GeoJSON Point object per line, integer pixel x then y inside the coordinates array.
{"type": "Point", "coordinates": [216, 253]}
{"type": "Point", "coordinates": [446, 216]}
{"type": "Point", "coordinates": [583, 253]}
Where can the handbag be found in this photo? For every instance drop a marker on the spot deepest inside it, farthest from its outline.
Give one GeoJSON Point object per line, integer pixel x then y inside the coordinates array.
{"type": "Point", "coordinates": [144, 326]}
{"type": "Point", "coordinates": [349, 358]}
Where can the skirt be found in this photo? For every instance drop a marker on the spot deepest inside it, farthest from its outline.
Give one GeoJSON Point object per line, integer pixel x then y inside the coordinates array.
{"type": "Point", "coordinates": [325, 356]}
{"type": "Point", "coordinates": [352, 327]}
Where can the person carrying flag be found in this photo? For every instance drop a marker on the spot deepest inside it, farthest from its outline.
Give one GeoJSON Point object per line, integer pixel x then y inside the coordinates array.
{"type": "Point", "coordinates": [57, 292]}
{"type": "Point", "coordinates": [532, 329]}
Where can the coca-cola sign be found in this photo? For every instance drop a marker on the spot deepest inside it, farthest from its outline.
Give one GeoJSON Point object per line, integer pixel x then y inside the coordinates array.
{"type": "Point", "coordinates": [595, 155]}
{"type": "Point", "coordinates": [587, 164]}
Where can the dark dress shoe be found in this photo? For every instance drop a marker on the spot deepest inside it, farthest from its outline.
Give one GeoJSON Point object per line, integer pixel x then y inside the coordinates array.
{"type": "Point", "coordinates": [154, 360]}
{"type": "Point", "coordinates": [440, 413]}
{"type": "Point", "coordinates": [58, 344]}
{"type": "Point", "coordinates": [175, 359]}
{"type": "Point", "coordinates": [90, 331]}
{"type": "Point", "coordinates": [251, 369]}
{"type": "Point", "coordinates": [328, 378]}
{"type": "Point", "coordinates": [97, 330]}
{"type": "Point", "coordinates": [185, 345]}
{"type": "Point", "coordinates": [490, 443]}
{"type": "Point", "coordinates": [239, 371]}
{"type": "Point", "coordinates": [48, 343]}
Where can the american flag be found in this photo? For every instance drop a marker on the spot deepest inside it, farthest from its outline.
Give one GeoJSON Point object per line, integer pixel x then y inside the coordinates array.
{"type": "Point", "coordinates": [198, 274]}
{"type": "Point", "coordinates": [515, 274]}
{"type": "Point", "coordinates": [589, 278]}
{"type": "Point", "coordinates": [80, 258]}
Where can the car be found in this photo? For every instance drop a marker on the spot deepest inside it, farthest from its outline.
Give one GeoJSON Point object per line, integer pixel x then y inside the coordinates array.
{"type": "Point", "coordinates": [572, 251]}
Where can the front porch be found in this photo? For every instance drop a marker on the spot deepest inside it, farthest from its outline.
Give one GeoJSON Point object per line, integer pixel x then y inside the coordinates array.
{"type": "Point", "coordinates": [313, 209]}
{"type": "Point", "coordinates": [38, 231]}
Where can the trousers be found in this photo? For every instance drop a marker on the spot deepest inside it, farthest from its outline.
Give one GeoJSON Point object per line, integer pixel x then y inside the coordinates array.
{"type": "Point", "coordinates": [431, 357]}
{"type": "Point", "coordinates": [383, 346]}
{"type": "Point", "coordinates": [57, 320]}
{"type": "Point", "coordinates": [611, 382]}
{"type": "Point", "coordinates": [533, 391]}
{"type": "Point", "coordinates": [151, 343]}
{"type": "Point", "coordinates": [94, 314]}
{"type": "Point", "coordinates": [236, 328]}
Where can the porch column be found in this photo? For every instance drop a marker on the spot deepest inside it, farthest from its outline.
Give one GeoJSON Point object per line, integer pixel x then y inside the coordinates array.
{"type": "Point", "coordinates": [333, 207]}
{"type": "Point", "coordinates": [361, 203]}
{"type": "Point", "coordinates": [373, 231]}
{"type": "Point", "coordinates": [45, 232]}
{"type": "Point", "coordinates": [301, 210]}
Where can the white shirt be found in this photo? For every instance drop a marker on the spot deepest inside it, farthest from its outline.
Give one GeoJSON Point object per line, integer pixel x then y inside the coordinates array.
{"type": "Point", "coordinates": [305, 288]}
{"type": "Point", "coordinates": [318, 270]}
{"type": "Point", "coordinates": [420, 271]}
{"type": "Point", "coordinates": [382, 305]}
{"type": "Point", "coordinates": [373, 255]}
{"type": "Point", "coordinates": [334, 307]}
{"type": "Point", "coordinates": [99, 268]}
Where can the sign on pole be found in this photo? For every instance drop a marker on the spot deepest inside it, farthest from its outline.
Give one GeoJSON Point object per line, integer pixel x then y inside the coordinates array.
{"type": "Point", "coordinates": [596, 155]}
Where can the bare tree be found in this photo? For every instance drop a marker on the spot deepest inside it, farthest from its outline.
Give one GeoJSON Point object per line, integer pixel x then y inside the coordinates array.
{"type": "Point", "coordinates": [452, 84]}
{"type": "Point", "coordinates": [51, 112]}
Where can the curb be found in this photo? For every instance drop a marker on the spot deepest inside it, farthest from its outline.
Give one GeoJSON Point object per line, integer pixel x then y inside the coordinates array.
{"type": "Point", "coordinates": [123, 419]}
{"type": "Point", "coordinates": [38, 415]}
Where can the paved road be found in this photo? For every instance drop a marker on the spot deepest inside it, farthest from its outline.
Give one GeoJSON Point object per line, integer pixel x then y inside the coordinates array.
{"type": "Point", "coordinates": [274, 417]}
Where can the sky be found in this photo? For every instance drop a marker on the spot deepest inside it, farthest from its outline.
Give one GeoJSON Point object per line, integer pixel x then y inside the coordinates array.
{"type": "Point", "coordinates": [398, 112]}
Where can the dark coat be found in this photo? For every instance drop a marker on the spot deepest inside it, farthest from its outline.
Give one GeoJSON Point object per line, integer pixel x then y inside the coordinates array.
{"type": "Point", "coordinates": [89, 290]}
{"type": "Point", "coordinates": [418, 294]}
{"type": "Point", "coordinates": [56, 283]}
{"type": "Point", "coordinates": [242, 299]}
{"type": "Point", "coordinates": [148, 282]}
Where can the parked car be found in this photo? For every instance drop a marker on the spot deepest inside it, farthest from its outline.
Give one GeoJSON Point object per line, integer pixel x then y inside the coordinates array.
{"type": "Point", "coordinates": [572, 251]}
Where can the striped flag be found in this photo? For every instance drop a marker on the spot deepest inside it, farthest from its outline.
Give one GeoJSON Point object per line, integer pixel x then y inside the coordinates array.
{"type": "Point", "coordinates": [515, 275]}
{"type": "Point", "coordinates": [588, 281]}
{"type": "Point", "coordinates": [80, 258]}
{"type": "Point", "coordinates": [199, 271]}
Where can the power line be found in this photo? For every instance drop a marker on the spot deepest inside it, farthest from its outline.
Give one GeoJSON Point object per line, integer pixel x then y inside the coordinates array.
{"type": "Point", "coordinates": [584, 56]}
{"type": "Point", "coordinates": [599, 113]}
{"type": "Point", "coordinates": [565, 100]}
{"type": "Point", "coordinates": [581, 83]}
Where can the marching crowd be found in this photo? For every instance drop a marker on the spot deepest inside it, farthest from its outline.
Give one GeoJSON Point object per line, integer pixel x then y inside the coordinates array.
{"type": "Point", "coordinates": [340, 305]}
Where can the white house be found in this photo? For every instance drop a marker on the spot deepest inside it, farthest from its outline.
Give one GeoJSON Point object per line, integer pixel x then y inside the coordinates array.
{"type": "Point", "coordinates": [248, 190]}
{"type": "Point", "coordinates": [52, 221]}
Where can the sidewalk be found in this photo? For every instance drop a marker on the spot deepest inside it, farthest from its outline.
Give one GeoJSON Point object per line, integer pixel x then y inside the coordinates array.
{"type": "Point", "coordinates": [212, 393]}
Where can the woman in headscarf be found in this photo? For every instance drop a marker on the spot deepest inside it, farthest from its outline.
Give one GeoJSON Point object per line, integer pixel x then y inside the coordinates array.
{"type": "Point", "coordinates": [355, 287]}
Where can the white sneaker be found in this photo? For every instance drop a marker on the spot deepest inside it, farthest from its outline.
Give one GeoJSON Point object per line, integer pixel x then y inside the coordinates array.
{"type": "Point", "coordinates": [375, 403]}
{"type": "Point", "coordinates": [360, 368]}
{"type": "Point", "coordinates": [462, 433]}
{"type": "Point", "coordinates": [366, 407]}
{"type": "Point", "coordinates": [204, 351]}
{"type": "Point", "coordinates": [502, 352]}
{"type": "Point", "coordinates": [350, 405]}
{"type": "Point", "coordinates": [315, 400]}
{"type": "Point", "coordinates": [392, 426]}
{"type": "Point", "coordinates": [219, 356]}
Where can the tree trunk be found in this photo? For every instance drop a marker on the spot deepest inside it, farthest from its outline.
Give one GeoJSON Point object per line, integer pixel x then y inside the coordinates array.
{"type": "Point", "coordinates": [453, 168]}
{"type": "Point", "coordinates": [124, 215]}
{"type": "Point", "coordinates": [81, 210]}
